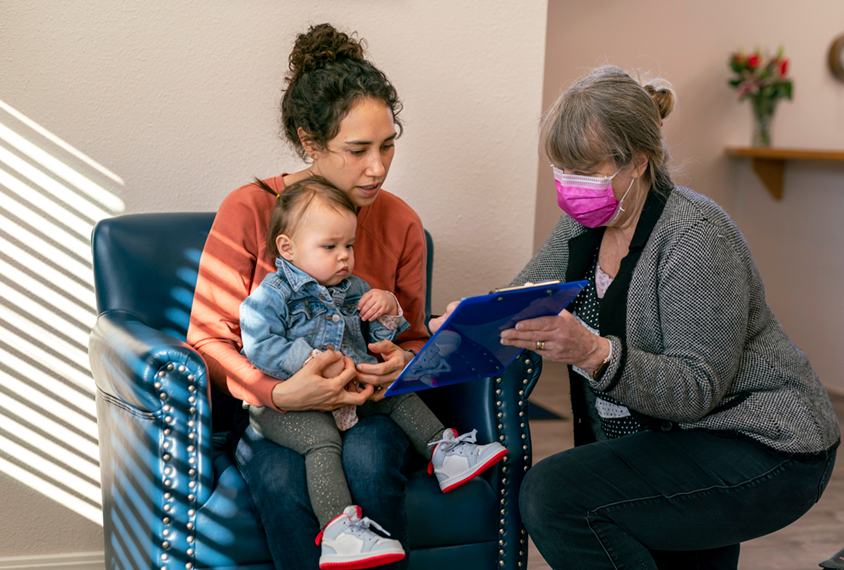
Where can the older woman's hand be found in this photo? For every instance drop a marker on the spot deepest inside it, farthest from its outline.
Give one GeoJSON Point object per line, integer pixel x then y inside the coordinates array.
{"type": "Point", "coordinates": [379, 376]}
{"type": "Point", "coordinates": [561, 338]}
{"type": "Point", "coordinates": [308, 389]}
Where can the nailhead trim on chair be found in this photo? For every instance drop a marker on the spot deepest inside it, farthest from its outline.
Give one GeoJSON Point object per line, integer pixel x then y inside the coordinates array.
{"type": "Point", "coordinates": [178, 524]}
{"type": "Point", "coordinates": [507, 483]}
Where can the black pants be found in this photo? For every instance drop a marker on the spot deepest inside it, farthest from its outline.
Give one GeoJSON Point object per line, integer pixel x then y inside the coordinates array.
{"type": "Point", "coordinates": [677, 500]}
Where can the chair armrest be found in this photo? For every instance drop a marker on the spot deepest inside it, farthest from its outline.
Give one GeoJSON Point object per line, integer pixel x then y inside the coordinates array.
{"type": "Point", "coordinates": [154, 421]}
{"type": "Point", "coordinates": [497, 408]}
{"type": "Point", "coordinates": [126, 356]}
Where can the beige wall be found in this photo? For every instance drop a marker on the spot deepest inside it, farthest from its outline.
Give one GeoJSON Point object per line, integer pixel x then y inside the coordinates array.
{"type": "Point", "coordinates": [179, 101]}
{"type": "Point", "coordinates": [796, 242]}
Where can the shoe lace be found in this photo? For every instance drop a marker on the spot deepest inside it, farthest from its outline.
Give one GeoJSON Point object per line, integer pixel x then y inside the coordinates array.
{"type": "Point", "coordinates": [365, 523]}
{"type": "Point", "coordinates": [468, 437]}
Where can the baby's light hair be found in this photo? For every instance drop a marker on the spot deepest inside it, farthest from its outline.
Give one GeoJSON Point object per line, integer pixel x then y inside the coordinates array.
{"type": "Point", "coordinates": [294, 201]}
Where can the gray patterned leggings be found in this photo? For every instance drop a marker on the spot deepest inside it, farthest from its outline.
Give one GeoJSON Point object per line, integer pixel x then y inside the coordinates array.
{"type": "Point", "coordinates": [315, 436]}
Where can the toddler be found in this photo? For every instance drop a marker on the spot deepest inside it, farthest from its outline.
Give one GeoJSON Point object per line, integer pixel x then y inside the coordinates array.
{"type": "Point", "coordinates": [314, 303]}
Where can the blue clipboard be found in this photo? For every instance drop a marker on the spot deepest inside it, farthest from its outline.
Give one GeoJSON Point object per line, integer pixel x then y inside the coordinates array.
{"type": "Point", "coordinates": [468, 346]}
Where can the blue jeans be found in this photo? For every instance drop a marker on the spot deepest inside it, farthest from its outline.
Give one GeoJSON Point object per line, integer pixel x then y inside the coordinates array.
{"type": "Point", "coordinates": [375, 454]}
{"type": "Point", "coordinates": [683, 499]}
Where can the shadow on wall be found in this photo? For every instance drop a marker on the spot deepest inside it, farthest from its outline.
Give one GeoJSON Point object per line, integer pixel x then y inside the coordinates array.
{"type": "Point", "coordinates": [51, 196]}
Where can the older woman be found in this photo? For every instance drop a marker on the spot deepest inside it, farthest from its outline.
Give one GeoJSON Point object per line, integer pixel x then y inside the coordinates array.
{"type": "Point", "coordinates": [698, 423]}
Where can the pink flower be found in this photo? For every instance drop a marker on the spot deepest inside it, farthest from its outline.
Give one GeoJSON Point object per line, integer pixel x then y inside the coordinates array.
{"type": "Point", "coordinates": [744, 89]}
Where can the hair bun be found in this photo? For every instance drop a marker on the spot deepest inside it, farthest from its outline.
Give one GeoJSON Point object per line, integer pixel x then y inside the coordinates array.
{"type": "Point", "coordinates": [322, 44]}
{"type": "Point", "coordinates": [663, 96]}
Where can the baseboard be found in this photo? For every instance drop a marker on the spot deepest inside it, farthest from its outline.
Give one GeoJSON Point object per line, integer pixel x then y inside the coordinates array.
{"type": "Point", "coordinates": [75, 561]}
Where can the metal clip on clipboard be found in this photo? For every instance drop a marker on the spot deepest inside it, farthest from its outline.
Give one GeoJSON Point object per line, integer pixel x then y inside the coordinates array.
{"type": "Point", "coordinates": [527, 285]}
{"type": "Point", "coordinates": [468, 344]}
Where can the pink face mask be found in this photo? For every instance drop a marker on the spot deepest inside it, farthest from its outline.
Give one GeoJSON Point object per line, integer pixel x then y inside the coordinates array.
{"type": "Point", "coordinates": [589, 200]}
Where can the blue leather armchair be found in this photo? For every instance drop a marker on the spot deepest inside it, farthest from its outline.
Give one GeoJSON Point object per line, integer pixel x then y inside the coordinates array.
{"type": "Point", "coordinates": [172, 496]}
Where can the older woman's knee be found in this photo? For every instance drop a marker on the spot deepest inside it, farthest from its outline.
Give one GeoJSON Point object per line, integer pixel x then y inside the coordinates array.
{"type": "Point", "coordinates": [545, 489]}
{"type": "Point", "coordinates": [538, 485]}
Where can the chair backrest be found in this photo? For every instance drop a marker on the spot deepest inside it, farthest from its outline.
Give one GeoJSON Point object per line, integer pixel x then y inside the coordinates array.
{"type": "Point", "coordinates": [147, 264]}
{"type": "Point", "coordinates": [429, 275]}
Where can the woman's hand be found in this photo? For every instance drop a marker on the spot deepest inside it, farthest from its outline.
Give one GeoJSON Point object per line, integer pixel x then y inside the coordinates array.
{"type": "Point", "coordinates": [565, 340]}
{"type": "Point", "coordinates": [308, 389]}
{"type": "Point", "coordinates": [435, 324]}
{"type": "Point", "coordinates": [378, 377]}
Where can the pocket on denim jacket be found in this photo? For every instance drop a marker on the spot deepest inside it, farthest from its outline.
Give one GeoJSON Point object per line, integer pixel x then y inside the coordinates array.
{"type": "Point", "coordinates": [349, 307]}
{"type": "Point", "coordinates": [305, 315]}
{"type": "Point", "coordinates": [306, 308]}
{"type": "Point", "coordinates": [349, 310]}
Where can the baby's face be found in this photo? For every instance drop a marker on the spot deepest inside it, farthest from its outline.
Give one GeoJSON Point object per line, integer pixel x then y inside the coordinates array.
{"type": "Point", "coordinates": [322, 244]}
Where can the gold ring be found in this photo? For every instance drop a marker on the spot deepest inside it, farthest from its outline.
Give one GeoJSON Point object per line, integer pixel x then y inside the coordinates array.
{"type": "Point", "coordinates": [540, 345]}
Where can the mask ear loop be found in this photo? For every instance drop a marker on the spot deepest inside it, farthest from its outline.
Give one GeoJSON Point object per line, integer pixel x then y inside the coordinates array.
{"type": "Point", "coordinates": [620, 202]}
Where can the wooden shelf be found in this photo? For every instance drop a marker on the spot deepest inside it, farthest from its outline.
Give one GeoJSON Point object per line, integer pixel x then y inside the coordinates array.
{"type": "Point", "coordinates": [769, 163]}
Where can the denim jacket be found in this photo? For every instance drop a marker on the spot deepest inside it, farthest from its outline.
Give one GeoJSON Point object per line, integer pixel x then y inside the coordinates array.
{"type": "Point", "coordinates": [290, 314]}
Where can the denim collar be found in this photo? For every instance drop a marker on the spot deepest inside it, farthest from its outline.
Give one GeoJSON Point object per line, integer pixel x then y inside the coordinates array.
{"type": "Point", "coordinates": [298, 279]}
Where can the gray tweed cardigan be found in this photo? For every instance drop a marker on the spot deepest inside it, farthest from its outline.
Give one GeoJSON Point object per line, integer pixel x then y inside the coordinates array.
{"type": "Point", "coordinates": [695, 345]}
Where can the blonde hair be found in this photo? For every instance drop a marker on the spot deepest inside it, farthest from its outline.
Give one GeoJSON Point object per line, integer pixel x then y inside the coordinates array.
{"type": "Point", "coordinates": [609, 115]}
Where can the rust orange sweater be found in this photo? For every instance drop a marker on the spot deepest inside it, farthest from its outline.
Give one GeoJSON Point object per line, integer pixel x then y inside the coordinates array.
{"type": "Point", "coordinates": [390, 254]}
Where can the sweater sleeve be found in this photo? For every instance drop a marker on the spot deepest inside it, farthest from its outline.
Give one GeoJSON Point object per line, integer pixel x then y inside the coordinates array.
{"type": "Point", "coordinates": [410, 286]}
{"type": "Point", "coordinates": [230, 261]}
{"type": "Point", "coordinates": [703, 296]}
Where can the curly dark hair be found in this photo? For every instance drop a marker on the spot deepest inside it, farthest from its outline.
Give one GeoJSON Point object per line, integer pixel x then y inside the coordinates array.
{"type": "Point", "coordinates": [328, 75]}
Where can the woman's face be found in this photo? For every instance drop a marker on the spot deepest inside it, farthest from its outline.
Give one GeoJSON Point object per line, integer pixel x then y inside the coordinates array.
{"type": "Point", "coordinates": [626, 178]}
{"type": "Point", "coordinates": [358, 159]}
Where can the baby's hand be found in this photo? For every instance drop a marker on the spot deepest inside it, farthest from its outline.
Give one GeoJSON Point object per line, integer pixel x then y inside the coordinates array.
{"type": "Point", "coordinates": [334, 369]}
{"type": "Point", "coordinates": [375, 303]}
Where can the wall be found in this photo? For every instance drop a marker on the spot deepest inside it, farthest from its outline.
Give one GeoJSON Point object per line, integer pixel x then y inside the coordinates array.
{"type": "Point", "coordinates": [796, 242]}
{"type": "Point", "coordinates": [175, 104]}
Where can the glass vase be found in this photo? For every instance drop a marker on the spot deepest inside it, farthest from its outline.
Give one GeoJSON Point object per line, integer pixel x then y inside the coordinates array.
{"type": "Point", "coordinates": [763, 114]}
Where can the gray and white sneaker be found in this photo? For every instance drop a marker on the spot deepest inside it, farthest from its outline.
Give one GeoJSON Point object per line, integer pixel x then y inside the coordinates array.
{"type": "Point", "coordinates": [348, 543]}
{"type": "Point", "coordinates": [458, 459]}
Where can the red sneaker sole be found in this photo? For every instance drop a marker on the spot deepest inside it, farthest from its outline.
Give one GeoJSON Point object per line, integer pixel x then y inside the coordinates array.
{"type": "Point", "coordinates": [366, 563]}
{"type": "Point", "coordinates": [492, 461]}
